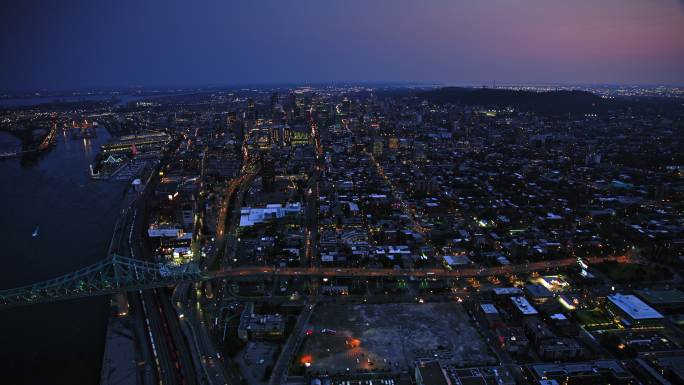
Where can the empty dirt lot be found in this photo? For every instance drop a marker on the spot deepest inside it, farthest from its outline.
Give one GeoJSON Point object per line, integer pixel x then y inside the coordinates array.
{"type": "Point", "coordinates": [391, 336]}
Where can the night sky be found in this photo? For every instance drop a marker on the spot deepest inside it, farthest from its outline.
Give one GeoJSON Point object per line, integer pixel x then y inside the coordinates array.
{"type": "Point", "coordinates": [77, 44]}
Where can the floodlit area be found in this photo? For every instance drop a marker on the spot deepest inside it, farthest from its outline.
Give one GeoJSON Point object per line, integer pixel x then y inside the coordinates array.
{"type": "Point", "coordinates": [362, 338]}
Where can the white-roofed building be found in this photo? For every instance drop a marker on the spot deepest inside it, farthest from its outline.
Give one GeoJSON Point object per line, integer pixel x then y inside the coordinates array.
{"type": "Point", "coordinates": [489, 308]}
{"type": "Point", "coordinates": [632, 311]}
{"type": "Point", "coordinates": [249, 216]}
{"type": "Point", "coordinates": [524, 307]}
{"type": "Point", "coordinates": [456, 260]}
{"type": "Point", "coordinates": [507, 291]}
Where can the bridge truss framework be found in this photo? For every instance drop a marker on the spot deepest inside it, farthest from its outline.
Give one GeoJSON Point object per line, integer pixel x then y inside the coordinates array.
{"type": "Point", "coordinates": [112, 275]}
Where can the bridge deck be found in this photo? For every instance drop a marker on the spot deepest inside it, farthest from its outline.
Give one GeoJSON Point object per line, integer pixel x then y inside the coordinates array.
{"type": "Point", "coordinates": [120, 274]}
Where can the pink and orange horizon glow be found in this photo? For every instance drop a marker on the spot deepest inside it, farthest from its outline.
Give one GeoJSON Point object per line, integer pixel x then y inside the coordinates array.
{"type": "Point", "coordinates": [154, 43]}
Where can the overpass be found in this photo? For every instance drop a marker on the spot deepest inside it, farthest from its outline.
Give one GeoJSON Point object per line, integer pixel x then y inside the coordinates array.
{"type": "Point", "coordinates": [120, 274]}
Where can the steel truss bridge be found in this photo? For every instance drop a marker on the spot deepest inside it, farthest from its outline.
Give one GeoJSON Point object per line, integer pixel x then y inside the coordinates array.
{"type": "Point", "coordinates": [119, 274]}
{"type": "Point", "coordinates": [112, 275]}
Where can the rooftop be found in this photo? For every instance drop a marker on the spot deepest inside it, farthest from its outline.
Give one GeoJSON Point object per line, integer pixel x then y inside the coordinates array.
{"type": "Point", "coordinates": [538, 291]}
{"type": "Point", "coordinates": [524, 306]}
{"type": "Point", "coordinates": [489, 308]}
{"type": "Point", "coordinates": [634, 307]}
{"type": "Point", "coordinates": [431, 373]}
{"type": "Point", "coordinates": [250, 216]}
{"type": "Point", "coordinates": [661, 297]}
{"type": "Point", "coordinates": [507, 291]}
{"type": "Point", "coordinates": [579, 368]}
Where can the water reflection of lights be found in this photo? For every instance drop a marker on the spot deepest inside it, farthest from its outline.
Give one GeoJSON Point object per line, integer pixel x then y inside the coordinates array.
{"type": "Point", "coordinates": [66, 138]}
{"type": "Point", "coordinates": [87, 146]}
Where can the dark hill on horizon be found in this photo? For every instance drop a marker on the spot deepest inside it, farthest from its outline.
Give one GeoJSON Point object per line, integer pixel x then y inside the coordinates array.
{"type": "Point", "coordinates": [546, 102]}
{"type": "Point", "coordinates": [551, 102]}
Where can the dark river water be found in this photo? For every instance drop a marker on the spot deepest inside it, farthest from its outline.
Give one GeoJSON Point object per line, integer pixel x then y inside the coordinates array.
{"type": "Point", "coordinates": [61, 342]}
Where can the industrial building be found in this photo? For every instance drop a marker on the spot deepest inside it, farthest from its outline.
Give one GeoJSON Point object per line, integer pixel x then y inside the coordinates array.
{"type": "Point", "coordinates": [631, 311]}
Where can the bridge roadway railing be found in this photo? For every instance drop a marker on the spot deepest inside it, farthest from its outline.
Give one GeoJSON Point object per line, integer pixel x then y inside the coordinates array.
{"type": "Point", "coordinates": [118, 274]}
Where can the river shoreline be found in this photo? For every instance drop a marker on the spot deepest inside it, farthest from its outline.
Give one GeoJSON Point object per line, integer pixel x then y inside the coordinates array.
{"type": "Point", "coordinates": [61, 342]}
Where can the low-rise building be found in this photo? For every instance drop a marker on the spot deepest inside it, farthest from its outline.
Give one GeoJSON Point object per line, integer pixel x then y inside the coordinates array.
{"type": "Point", "coordinates": [662, 300]}
{"type": "Point", "coordinates": [249, 216]}
{"type": "Point", "coordinates": [632, 311]}
{"type": "Point", "coordinates": [598, 372]}
{"type": "Point", "coordinates": [513, 339]}
{"type": "Point", "coordinates": [430, 373]}
{"type": "Point", "coordinates": [260, 326]}
{"type": "Point", "coordinates": [560, 349]}
{"type": "Point", "coordinates": [523, 308]}
{"type": "Point", "coordinates": [538, 294]}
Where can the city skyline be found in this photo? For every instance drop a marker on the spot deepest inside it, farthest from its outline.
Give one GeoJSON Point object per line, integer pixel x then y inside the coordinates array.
{"type": "Point", "coordinates": [342, 192]}
{"type": "Point", "coordinates": [293, 236]}
{"type": "Point", "coordinates": [126, 44]}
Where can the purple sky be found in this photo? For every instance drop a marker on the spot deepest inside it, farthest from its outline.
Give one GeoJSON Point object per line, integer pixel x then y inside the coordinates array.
{"type": "Point", "coordinates": [66, 44]}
